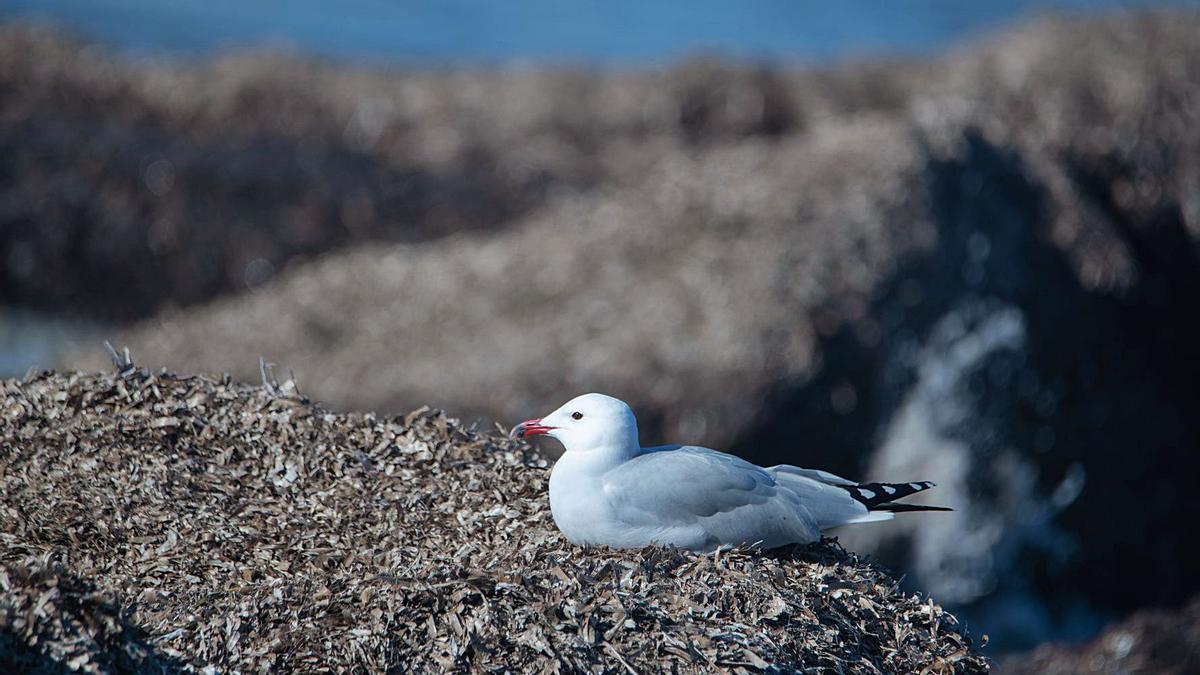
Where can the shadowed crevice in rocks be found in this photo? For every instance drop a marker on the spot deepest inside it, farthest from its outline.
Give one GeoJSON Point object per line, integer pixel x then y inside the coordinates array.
{"type": "Point", "coordinates": [1140, 446]}
{"type": "Point", "coordinates": [1076, 410]}
{"type": "Point", "coordinates": [985, 201]}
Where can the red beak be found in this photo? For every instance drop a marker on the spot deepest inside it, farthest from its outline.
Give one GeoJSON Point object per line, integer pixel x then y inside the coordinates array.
{"type": "Point", "coordinates": [533, 427]}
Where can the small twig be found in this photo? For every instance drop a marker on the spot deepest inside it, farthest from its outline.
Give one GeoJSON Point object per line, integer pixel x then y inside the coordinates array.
{"type": "Point", "coordinates": [296, 386]}
{"type": "Point", "coordinates": [269, 383]}
{"type": "Point", "coordinates": [613, 650]}
{"type": "Point", "coordinates": [121, 361]}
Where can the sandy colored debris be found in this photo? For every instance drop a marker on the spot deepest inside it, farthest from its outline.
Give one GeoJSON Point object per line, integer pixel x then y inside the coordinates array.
{"type": "Point", "coordinates": [169, 522]}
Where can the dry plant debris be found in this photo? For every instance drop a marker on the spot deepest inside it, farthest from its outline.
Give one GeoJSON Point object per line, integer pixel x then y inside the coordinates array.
{"type": "Point", "coordinates": [156, 522]}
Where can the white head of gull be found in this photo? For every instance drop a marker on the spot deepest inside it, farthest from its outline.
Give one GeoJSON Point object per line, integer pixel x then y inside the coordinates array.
{"type": "Point", "coordinates": [608, 490]}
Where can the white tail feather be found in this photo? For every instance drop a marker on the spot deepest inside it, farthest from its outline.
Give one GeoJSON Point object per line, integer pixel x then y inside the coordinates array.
{"type": "Point", "coordinates": [872, 517]}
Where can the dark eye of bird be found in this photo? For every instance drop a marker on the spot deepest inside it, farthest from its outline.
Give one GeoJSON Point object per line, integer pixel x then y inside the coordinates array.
{"type": "Point", "coordinates": [576, 415]}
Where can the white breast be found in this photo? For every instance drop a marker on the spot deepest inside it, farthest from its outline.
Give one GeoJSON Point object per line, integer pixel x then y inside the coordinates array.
{"type": "Point", "coordinates": [577, 501]}
{"type": "Point", "coordinates": [585, 514]}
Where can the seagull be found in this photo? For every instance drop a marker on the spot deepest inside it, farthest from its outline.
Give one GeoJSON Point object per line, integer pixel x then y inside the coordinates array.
{"type": "Point", "coordinates": [607, 490]}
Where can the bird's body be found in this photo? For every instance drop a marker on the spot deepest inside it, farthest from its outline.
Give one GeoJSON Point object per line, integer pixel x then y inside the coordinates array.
{"type": "Point", "coordinates": [608, 490]}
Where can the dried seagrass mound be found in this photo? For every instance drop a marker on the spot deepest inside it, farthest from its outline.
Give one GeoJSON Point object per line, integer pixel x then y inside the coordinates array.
{"type": "Point", "coordinates": [159, 522]}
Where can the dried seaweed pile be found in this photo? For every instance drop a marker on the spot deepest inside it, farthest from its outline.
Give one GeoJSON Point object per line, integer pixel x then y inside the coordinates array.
{"type": "Point", "coordinates": [165, 522]}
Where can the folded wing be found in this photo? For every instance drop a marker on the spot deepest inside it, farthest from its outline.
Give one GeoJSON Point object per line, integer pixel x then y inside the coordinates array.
{"type": "Point", "coordinates": [722, 498]}
{"type": "Point", "coordinates": [682, 485]}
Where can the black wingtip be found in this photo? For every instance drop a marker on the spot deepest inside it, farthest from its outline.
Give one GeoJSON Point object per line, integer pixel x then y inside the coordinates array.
{"type": "Point", "coordinates": [875, 495]}
{"type": "Point", "coordinates": [900, 508]}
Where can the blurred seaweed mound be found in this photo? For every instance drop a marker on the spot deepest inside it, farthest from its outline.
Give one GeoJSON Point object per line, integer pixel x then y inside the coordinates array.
{"type": "Point", "coordinates": [1167, 643]}
{"type": "Point", "coordinates": [981, 269]}
{"type": "Point", "coordinates": [157, 522]}
{"type": "Point", "coordinates": [129, 186]}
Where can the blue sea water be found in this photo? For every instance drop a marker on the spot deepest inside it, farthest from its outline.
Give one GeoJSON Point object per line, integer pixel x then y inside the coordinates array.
{"type": "Point", "coordinates": [591, 32]}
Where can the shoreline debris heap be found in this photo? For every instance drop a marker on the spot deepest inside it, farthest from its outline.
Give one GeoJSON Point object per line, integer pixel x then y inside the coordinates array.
{"type": "Point", "coordinates": [157, 522]}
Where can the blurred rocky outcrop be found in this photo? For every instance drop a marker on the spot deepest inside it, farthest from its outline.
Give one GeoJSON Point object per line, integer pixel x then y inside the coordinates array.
{"type": "Point", "coordinates": [129, 186]}
{"type": "Point", "coordinates": [980, 270]}
{"type": "Point", "coordinates": [1167, 643]}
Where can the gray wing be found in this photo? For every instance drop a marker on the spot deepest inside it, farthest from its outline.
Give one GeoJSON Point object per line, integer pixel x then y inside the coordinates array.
{"type": "Point", "coordinates": [679, 486]}
{"type": "Point", "coordinates": [704, 498]}
{"type": "Point", "coordinates": [812, 474]}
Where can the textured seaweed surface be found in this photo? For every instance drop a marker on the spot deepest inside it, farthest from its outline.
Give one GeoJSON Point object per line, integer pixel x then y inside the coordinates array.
{"type": "Point", "coordinates": [159, 522]}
